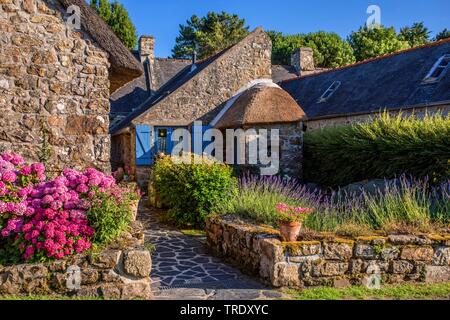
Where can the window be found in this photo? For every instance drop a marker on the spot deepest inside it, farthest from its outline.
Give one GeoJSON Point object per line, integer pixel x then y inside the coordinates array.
{"type": "Point", "coordinates": [162, 141]}
{"type": "Point", "coordinates": [329, 92]}
{"type": "Point", "coordinates": [438, 70]}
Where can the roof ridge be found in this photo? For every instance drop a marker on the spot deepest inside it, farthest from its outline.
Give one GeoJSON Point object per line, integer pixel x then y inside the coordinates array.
{"type": "Point", "coordinates": [377, 58]}
{"type": "Point", "coordinates": [174, 59]}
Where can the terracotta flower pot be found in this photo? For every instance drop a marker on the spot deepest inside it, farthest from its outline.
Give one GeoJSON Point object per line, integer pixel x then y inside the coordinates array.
{"type": "Point", "coordinates": [290, 231]}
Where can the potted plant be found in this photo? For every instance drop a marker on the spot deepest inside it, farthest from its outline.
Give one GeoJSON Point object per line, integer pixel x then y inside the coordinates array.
{"type": "Point", "coordinates": [134, 196]}
{"type": "Point", "coordinates": [290, 220]}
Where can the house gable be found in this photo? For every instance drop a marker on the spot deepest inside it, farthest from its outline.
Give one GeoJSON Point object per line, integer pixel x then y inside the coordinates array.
{"type": "Point", "coordinates": [197, 93]}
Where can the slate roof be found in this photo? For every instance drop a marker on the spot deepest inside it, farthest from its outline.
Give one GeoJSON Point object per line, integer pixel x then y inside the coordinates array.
{"type": "Point", "coordinates": [166, 68]}
{"type": "Point", "coordinates": [186, 74]}
{"type": "Point", "coordinates": [389, 82]}
{"type": "Point", "coordinates": [282, 72]}
{"type": "Point", "coordinates": [134, 93]}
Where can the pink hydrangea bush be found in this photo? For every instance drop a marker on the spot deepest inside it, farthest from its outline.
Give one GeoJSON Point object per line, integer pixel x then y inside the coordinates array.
{"type": "Point", "coordinates": [58, 226]}
{"type": "Point", "coordinates": [16, 183]}
{"type": "Point", "coordinates": [44, 220]}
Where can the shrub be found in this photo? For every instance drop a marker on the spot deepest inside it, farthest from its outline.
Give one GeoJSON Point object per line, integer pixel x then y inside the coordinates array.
{"type": "Point", "coordinates": [192, 191]}
{"type": "Point", "coordinates": [384, 148]}
{"type": "Point", "coordinates": [110, 214]}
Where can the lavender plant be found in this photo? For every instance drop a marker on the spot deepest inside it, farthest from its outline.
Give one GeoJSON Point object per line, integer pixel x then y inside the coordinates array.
{"type": "Point", "coordinates": [403, 201]}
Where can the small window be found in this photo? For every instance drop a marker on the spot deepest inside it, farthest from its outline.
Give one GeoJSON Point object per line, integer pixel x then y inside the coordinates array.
{"type": "Point", "coordinates": [438, 70]}
{"type": "Point", "coordinates": [329, 92]}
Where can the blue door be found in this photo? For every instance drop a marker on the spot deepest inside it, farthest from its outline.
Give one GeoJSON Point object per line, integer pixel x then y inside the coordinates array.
{"type": "Point", "coordinates": [144, 155]}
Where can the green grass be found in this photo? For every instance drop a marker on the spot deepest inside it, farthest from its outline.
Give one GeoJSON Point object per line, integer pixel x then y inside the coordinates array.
{"type": "Point", "coordinates": [46, 298]}
{"type": "Point", "coordinates": [193, 232]}
{"type": "Point", "coordinates": [400, 292]}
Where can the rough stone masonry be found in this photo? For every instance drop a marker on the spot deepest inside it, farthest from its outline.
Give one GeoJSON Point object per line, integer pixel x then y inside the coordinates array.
{"type": "Point", "coordinates": [329, 261]}
{"type": "Point", "coordinates": [52, 80]}
{"type": "Point", "coordinates": [119, 271]}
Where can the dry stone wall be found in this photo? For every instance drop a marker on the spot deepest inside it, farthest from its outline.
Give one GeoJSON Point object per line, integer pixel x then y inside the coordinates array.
{"type": "Point", "coordinates": [52, 79]}
{"type": "Point", "coordinates": [329, 261]}
{"type": "Point", "coordinates": [121, 271]}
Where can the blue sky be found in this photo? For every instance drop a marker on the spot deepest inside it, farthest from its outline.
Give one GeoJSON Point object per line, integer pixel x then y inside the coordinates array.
{"type": "Point", "coordinates": [162, 17]}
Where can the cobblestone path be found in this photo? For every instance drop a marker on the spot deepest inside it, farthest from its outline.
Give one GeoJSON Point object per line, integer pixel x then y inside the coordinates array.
{"type": "Point", "coordinates": [182, 269]}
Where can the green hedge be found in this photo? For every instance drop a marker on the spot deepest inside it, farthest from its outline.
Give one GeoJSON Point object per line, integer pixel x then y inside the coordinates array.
{"type": "Point", "coordinates": [384, 148]}
{"type": "Point", "coordinates": [192, 191]}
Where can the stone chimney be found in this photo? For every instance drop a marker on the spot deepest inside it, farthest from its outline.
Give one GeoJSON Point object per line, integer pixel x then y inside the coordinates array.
{"type": "Point", "coordinates": [302, 59]}
{"type": "Point", "coordinates": [146, 48]}
{"type": "Point", "coordinates": [147, 56]}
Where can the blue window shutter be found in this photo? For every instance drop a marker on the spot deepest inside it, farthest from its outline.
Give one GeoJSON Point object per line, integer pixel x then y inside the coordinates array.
{"type": "Point", "coordinates": [143, 145]}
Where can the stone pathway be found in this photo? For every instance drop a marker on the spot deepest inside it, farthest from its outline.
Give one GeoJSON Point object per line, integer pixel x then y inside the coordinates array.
{"type": "Point", "coordinates": [182, 269]}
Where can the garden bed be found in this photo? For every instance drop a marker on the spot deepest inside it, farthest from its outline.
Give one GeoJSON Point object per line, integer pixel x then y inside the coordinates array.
{"type": "Point", "coordinates": [118, 271]}
{"type": "Point", "coordinates": [327, 260]}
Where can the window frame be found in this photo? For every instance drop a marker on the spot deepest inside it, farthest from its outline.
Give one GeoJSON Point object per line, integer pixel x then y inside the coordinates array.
{"type": "Point", "coordinates": [429, 77]}
{"type": "Point", "coordinates": [330, 91]}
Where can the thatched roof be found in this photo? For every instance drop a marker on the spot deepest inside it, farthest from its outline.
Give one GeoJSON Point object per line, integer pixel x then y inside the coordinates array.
{"type": "Point", "coordinates": [261, 105]}
{"type": "Point", "coordinates": [124, 66]}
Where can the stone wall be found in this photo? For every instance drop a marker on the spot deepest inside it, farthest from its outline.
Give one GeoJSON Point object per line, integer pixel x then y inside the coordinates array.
{"type": "Point", "coordinates": [290, 147]}
{"type": "Point", "coordinates": [329, 261]}
{"type": "Point", "coordinates": [344, 120]}
{"type": "Point", "coordinates": [52, 79]}
{"type": "Point", "coordinates": [121, 271]}
{"type": "Point", "coordinates": [122, 152]}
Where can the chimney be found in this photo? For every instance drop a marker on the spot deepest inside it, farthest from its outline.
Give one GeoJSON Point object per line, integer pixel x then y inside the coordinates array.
{"type": "Point", "coordinates": [302, 59]}
{"type": "Point", "coordinates": [194, 57]}
{"type": "Point", "coordinates": [147, 57]}
{"type": "Point", "coordinates": [146, 48]}
{"type": "Point", "coordinates": [194, 61]}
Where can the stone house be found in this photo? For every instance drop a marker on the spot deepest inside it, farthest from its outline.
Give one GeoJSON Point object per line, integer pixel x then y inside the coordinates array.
{"type": "Point", "coordinates": [240, 88]}
{"type": "Point", "coordinates": [55, 82]}
{"type": "Point", "coordinates": [205, 91]}
{"type": "Point", "coordinates": [415, 81]}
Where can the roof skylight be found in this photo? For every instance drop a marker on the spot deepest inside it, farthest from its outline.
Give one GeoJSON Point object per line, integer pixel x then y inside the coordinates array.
{"type": "Point", "coordinates": [438, 70]}
{"type": "Point", "coordinates": [329, 92]}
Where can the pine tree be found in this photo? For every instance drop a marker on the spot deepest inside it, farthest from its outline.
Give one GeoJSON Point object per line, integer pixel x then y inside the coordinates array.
{"type": "Point", "coordinates": [209, 34]}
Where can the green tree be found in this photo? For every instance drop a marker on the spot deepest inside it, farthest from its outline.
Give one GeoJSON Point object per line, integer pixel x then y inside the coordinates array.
{"type": "Point", "coordinates": [330, 50]}
{"type": "Point", "coordinates": [416, 35]}
{"type": "Point", "coordinates": [209, 34]}
{"type": "Point", "coordinates": [284, 45]}
{"type": "Point", "coordinates": [444, 34]}
{"type": "Point", "coordinates": [372, 42]}
{"type": "Point", "coordinates": [117, 17]}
